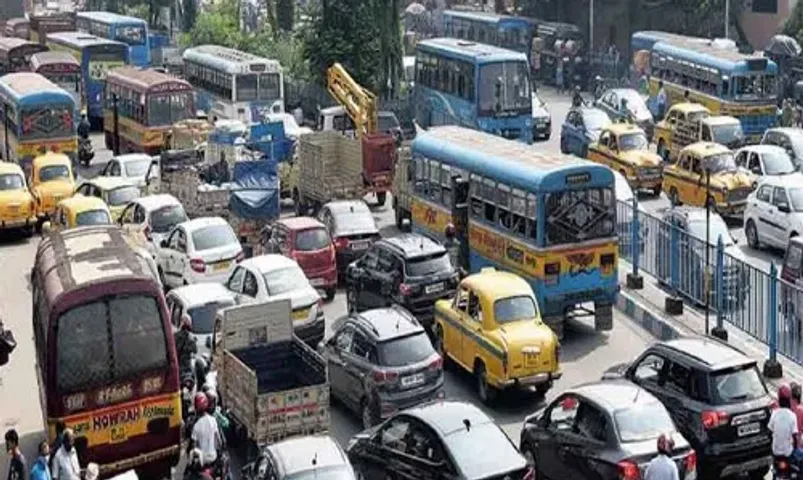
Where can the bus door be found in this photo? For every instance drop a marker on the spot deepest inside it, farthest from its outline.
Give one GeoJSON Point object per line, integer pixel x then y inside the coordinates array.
{"type": "Point", "coordinates": [460, 216]}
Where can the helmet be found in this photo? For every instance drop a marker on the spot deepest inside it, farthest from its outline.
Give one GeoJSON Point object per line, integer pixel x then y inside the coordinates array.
{"type": "Point", "coordinates": [577, 88]}
{"type": "Point", "coordinates": [784, 392]}
{"type": "Point", "coordinates": [186, 322]}
{"type": "Point", "coordinates": [211, 396]}
{"type": "Point", "coordinates": [201, 402]}
{"type": "Point", "coordinates": [665, 444]}
{"type": "Point", "coordinates": [449, 230]}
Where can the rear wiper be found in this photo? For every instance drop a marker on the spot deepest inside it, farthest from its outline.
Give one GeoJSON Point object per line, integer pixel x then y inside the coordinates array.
{"type": "Point", "coordinates": [739, 397]}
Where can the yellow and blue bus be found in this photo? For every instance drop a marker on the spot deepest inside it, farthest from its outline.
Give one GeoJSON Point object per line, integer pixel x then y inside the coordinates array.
{"type": "Point", "coordinates": [723, 80]}
{"type": "Point", "coordinates": [549, 218]}
{"type": "Point", "coordinates": [504, 31]}
{"type": "Point", "coordinates": [97, 57]}
{"type": "Point", "coordinates": [459, 82]}
{"type": "Point", "coordinates": [112, 26]}
{"type": "Point", "coordinates": [39, 116]}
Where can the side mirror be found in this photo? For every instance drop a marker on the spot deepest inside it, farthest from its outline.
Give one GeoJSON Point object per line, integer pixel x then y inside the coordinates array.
{"type": "Point", "coordinates": [784, 207]}
{"type": "Point", "coordinates": [163, 243]}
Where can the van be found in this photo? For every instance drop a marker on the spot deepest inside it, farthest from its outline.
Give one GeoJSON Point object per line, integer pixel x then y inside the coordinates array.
{"type": "Point", "coordinates": [106, 356]}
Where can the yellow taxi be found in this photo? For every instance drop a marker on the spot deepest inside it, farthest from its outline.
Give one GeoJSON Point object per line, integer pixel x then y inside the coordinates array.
{"type": "Point", "coordinates": [493, 329]}
{"type": "Point", "coordinates": [78, 211]}
{"type": "Point", "coordinates": [624, 147]}
{"type": "Point", "coordinates": [17, 206]}
{"type": "Point", "coordinates": [685, 180]}
{"type": "Point", "coordinates": [679, 128]}
{"type": "Point", "coordinates": [115, 191]}
{"type": "Point", "coordinates": [52, 180]}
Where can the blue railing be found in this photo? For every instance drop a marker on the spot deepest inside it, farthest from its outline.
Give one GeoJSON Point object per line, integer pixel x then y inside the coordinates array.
{"type": "Point", "coordinates": [750, 299]}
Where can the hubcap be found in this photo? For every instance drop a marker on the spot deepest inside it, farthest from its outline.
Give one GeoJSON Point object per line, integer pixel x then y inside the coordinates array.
{"type": "Point", "coordinates": [751, 234]}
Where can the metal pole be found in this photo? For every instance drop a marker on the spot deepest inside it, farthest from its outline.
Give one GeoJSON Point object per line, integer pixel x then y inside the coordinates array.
{"type": "Point", "coordinates": [727, 16]}
{"type": "Point", "coordinates": [5, 131]}
{"type": "Point", "coordinates": [708, 275]}
{"type": "Point", "coordinates": [116, 119]}
{"type": "Point", "coordinates": [591, 26]}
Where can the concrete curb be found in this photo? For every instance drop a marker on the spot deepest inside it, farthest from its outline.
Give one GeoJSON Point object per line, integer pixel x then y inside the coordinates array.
{"type": "Point", "coordinates": [658, 326]}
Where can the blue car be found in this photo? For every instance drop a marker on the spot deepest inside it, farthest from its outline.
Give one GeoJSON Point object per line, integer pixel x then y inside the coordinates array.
{"type": "Point", "coordinates": [582, 127]}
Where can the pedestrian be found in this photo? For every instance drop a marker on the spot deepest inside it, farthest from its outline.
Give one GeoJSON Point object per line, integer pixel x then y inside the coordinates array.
{"type": "Point", "coordinates": [661, 99]}
{"type": "Point", "coordinates": [65, 464]}
{"type": "Point", "coordinates": [783, 425]}
{"type": "Point", "coordinates": [40, 470]}
{"type": "Point", "coordinates": [17, 466]}
{"type": "Point", "coordinates": [60, 427]}
{"type": "Point", "coordinates": [662, 467]}
{"type": "Point", "coordinates": [686, 96]}
{"type": "Point", "coordinates": [559, 74]}
{"type": "Point", "coordinates": [797, 407]}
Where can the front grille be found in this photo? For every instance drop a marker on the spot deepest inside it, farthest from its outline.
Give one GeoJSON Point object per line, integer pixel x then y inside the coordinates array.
{"type": "Point", "coordinates": [649, 172]}
{"type": "Point", "coordinates": [739, 195]}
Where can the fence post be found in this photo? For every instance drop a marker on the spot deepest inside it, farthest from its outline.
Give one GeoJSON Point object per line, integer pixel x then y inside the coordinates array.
{"type": "Point", "coordinates": [634, 280]}
{"type": "Point", "coordinates": [673, 304]}
{"type": "Point", "coordinates": [719, 331]}
{"type": "Point", "coordinates": [772, 367]}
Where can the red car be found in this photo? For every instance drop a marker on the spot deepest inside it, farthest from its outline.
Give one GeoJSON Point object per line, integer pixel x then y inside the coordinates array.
{"type": "Point", "coordinates": [305, 240]}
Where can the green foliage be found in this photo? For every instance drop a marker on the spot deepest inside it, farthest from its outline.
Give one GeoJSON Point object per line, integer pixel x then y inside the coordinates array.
{"type": "Point", "coordinates": [794, 24]}
{"type": "Point", "coordinates": [285, 14]}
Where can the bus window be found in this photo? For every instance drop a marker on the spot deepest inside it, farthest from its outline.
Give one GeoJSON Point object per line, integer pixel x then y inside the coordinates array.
{"type": "Point", "coordinates": [131, 35]}
{"type": "Point", "coordinates": [504, 88]}
{"type": "Point", "coordinates": [246, 87]}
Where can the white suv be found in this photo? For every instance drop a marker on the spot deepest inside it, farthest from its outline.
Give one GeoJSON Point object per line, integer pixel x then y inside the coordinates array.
{"type": "Point", "coordinates": [774, 211]}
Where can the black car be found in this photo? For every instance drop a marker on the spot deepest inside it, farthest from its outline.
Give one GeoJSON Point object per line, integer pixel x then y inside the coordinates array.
{"type": "Point", "coordinates": [542, 119]}
{"type": "Point", "coordinates": [381, 361]}
{"type": "Point", "coordinates": [716, 397]}
{"type": "Point", "coordinates": [606, 430]}
{"type": "Point", "coordinates": [411, 270]}
{"type": "Point", "coordinates": [352, 227]}
{"type": "Point", "coordinates": [440, 440]}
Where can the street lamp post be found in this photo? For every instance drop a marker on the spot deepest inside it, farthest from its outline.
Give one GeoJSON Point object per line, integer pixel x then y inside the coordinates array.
{"type": "Point", "coordinates": [591, 26]}
{"type": "Point", "coordinates": [727, 16]}
{"type": "Point", "coordinates": [708, 275]}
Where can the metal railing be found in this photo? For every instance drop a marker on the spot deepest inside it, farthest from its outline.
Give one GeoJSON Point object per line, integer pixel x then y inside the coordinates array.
{"type": "Point", "coordinates": [748, 298]}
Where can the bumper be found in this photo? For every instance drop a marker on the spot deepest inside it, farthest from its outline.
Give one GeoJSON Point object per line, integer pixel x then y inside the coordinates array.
{"type": "Point", "coordinates": [542, 130]}
{"type": "Point", "coordinates": [646, 184]}
{"type": "Point", "coordinates": [326, 278]}
{"type": "Point", "coordinates": [311, 333]}
{"type": "Point", "coordinates": [733, 459]}
{"type": "Point", "coordinates": [556, 304]}
{"type": "Point", "coordinates": [17, 223]}
{"type": "Point", "coordinates": [733, 467]}
{"type": "Point", "coordinates": [531, 380]}
{"type": "Point", "coordinates": [733, 208]}
{"type": "Point", "coordinates": [390, 404]}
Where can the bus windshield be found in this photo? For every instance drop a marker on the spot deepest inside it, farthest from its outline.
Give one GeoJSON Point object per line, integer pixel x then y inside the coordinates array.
{"type": "Point", "coordinates": [55, 121]}
{"type": "Point", "coordinates": [750, 87]}
{"type": "Point", "coordinates": [131, 35]}
{"type": "Point", "coordinates": [246, 87]}
{"type": "Point", "coordinates": [504, 89]}
{"type": "Point", "coordinates": [167, 109]}
{"type": "Point", "coordinates": [514, 38]}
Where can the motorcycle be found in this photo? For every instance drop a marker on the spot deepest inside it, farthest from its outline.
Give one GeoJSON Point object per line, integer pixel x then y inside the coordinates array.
{"type": "Point", "coordinates": [85, 151]}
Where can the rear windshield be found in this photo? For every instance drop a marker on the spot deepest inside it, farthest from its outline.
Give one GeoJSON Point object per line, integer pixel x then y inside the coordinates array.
{"type": "Point", "coordinates": [122, 196]}
{"type": "Point", "coordinates": [93, 217]}
{"type": "Point", "coordinates": [165, 218]}
{"type": "Point", "coordinates": [484, 450]}
{"type": "Point", "coordinates": [11, 181]}
{"type": "Point", "coordinates": [513, 309]}
{"type": "Point", "coordinates": [312, 239]}
{"type": "Point", "coordinates": [737, 385]}
{"type": "Point", "coordinates": [213, 236]}
{"type": "Point", "coordinates": [137, 168]}
{"type": "Point", "coordinates": [355, 223]}
{"type": "Point", "coordinates": [203, 317]}
{"type": "Point", "coordinates": [285, 280]}
{"type": "Point", "coordinates": [423, 266]}
{"type": "Point", "coordinates": [643, 422]}
{"type": "Point", "coordinates": [405, 350]}
{"type": "Point", "coordinates": [54, 172]}
{"type": "Point", "coordinates": [109, 340]}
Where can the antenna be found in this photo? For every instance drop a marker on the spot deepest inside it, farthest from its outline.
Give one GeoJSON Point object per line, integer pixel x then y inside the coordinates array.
{"type": "Point", "coordinates": [467, 424]}
{"type": "Point", "coordinates": [638, 391]}
{"type": "Point", "coordinates": [315, 459]}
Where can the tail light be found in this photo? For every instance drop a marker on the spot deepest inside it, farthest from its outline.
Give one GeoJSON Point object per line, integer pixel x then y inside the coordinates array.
{"type": "Point", "coordinates": [147, 232]}
{"type": "Point", "coordinates": [713, 419]}
{"type": "Point", "coordinates": [529, 474]}
{"type": "Point", "coordinates": [628, 470]}
{"type": "Point", "coordinates": [436, 364]}
{"type": "Point", "coordinates": [341, 243]}
{"type": "Point", "coordinates": [240, 257]}
{"type": "Point", "coordinates": [552, 273]}
{"type": "Point", "coordinates": [691, 462]}
{"type": "Point", "coordinates": [198, 265]}
{"type": "Point", "coordinates": [405, 290]}
{"type": "Point", "coordinates": [385, 376]}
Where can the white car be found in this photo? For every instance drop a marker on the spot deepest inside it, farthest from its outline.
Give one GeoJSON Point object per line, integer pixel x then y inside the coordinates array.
{"type": "Point", "coordinates": [201, 302]}
{"type": "Point", "coordinates": [276, 277]}
{"type": "Point", "coordinates": [200, 250]}
{"type": "Point", "coordinates": [774, 211]}
{"type": "Point", "coordinates": [152, 217]}
{"type": "Point", "coordinates": [764, 161]}
{"type": "Point", "coordinates": [291, 128]}
{"type": "Point", "coordinates": [131, 166]}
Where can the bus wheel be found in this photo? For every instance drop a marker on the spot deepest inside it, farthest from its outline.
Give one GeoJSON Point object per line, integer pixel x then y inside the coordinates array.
{"type": "Point", "coordinates": [381, 197]}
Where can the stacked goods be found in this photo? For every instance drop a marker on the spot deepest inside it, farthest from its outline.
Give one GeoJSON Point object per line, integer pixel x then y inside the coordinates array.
{"type": "Point", "coordinates": [330, 168]}
{"type": "Point", "coordinates": [188, 134]}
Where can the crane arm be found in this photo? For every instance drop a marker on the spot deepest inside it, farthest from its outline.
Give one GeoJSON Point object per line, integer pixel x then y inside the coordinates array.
{"type": "Point", "coordinates": [359, 103]}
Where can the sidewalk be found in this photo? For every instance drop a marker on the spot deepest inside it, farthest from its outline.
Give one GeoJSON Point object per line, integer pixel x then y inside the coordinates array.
{"type": "Point", "coordinates": [646, 307]}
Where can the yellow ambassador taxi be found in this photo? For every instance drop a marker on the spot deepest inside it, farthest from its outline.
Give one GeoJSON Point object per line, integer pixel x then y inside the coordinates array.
{"type": "Point", "coordinates": [115, 191]}
{"type": "Point", "coordinates": [78, 211]}
{"type": "Point", "coordinates": [492, 328]}
{"type": "Point", "coordinates": [52, 180]}
{"type": "Point", "coordinates": [624, 147]}
{"type": "Point", "coordinates": [685, 180]}
{"type": "Point", "coordinates": [17, 206]}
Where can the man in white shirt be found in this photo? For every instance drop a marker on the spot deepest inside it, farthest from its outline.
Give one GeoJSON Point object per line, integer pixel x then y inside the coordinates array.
{"type": "Point", "coordinates": [205, 432]}
{"type": "Point", "coordinates": [65, 463]}
{"type": "Point", "coordinates": [660, 100]}
{"type": "Point", "coordinates": [783, 425]}
{"type": "Point", "coordinates": [662, 467]}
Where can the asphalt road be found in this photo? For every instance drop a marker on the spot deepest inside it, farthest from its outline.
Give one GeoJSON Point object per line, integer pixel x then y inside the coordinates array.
{"type": "Point", "coordinates": [584, 354]}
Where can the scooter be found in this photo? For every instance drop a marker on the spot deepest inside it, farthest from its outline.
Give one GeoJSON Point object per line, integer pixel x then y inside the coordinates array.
{"type": "Point", "coordinates": [85, 151]}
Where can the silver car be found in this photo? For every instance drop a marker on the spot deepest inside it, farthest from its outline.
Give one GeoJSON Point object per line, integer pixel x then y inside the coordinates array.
{"type": "Point", "coordinates": [305, 458]}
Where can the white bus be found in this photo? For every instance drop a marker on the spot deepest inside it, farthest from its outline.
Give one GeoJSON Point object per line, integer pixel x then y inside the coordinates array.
{"type": "Point", "coordinates": [234, 85]}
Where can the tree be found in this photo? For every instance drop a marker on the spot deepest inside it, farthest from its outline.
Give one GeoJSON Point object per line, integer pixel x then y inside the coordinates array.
{"type": "Point", "coordinates": [794, 24]}
{"type": "Point", "coordinates": [285, 14]}
{"type": "Point", "coordinates": [189, 13]}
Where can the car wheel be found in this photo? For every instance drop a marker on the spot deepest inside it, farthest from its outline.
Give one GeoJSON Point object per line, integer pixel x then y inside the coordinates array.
{"type": "Point", "coordinates": [368, 415]}
{"type": "Point", "coordinates": [351, 300]}
{"type": "Point", "coordinates": [330, 294]}
{"type": "Point", "coordinates": [674, 197]}
{"type": "Point", "coordinates": [486, 392]}
{"type": "Point", "coordinates": [752, 234]}
{"type": "Point", "coordinates": [381, 198]}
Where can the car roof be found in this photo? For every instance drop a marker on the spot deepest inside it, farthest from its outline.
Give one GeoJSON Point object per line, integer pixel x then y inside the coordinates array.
{"type": "Point", "coordinates": [9, 167]}
{"type": "Point", "coordinates": [786, 130]}
{"type": "Point", "coordinates": [447, 417]}
{"type": "Point", "coordinates": [612, 395]}
{"type": "Point", "coordinates": [689, 107]}
{"type": "Point", "coordinates": [412, 245]}
{"type": "Point", "coordinates": [620, 128]}
{"type": "Point", "coordinates": [300, 223]}
{"type": "Point", "coordinates": [710, 352]}
{"type": "Point", "coordinates": [705, 149]}
{"type": "Point", "coordinates": [83, 202]}
{"type": "Point", "coordinates": [201, 293]}
{"type": "Point", "coordinates": [714, 120]}
{"type": "Point", "coordinates": [109, 183]}
{"type": "Point", "coordinates": [153, 202]}
{"type": "Point", "coordinates": [51, 158]}
{"type": "Point", "coordinates": [389, 323]}
{"type": "Point", "coordinates": [302, 454]}
{"type": "Point", "coordinates": [497, 284]}
{"type": "Point", "coordinates": [198, 223]}
{"type": "Point", "coordinates": [132, 157]}
{"type": "Point", "coordinates": [348, 206]}
{"type": "Point", "coordinates": [763, 148]}
{"type": "Point", "coordinates": [268, 262]}
{"type": "Point", "coordinates": [586, 110]}
{"type": "Point", "coordinates": [794, 179]}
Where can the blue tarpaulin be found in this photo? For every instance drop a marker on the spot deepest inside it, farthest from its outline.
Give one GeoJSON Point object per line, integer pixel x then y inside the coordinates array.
{"type": "Point", "coordinates": [255, 193]}
{"type": "Point", "coordinates": [271, 139]}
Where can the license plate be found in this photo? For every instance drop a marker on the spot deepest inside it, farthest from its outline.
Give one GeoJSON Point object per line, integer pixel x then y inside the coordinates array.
{"type": "Point", "coordinates": [360, 245]}
{"type": "Point", "coordinates": [540, 124]}
{"type": "Point", "coordinates": [412, 380]}
{"type": "Point", "coordinates": [118, 434]}
{"type": "Point", "coordinates": [317, 282]}
{"type": "Point", "coordinates": [434, 288]}
{"type": "Point", "coordinates": [531, 359]}
{"type": "Point", "coordinates": [749, 429]}
{"type": "Point", "coordinates": [222, 266]}
{"type": "Point", "coordinates": [301, 314]}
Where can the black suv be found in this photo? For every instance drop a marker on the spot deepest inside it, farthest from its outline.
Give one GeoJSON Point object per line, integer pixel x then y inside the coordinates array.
{"type": "Point", "coordinates": [411, 270]}
{"type": "Point", "coordinates": [715, 396]}
{"type": "Point", "coordinates": [381, 361]}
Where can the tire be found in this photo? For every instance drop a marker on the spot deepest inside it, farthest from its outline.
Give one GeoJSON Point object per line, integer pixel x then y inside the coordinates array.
{"type": "Point", "coordinates": [543, 388]}
{"type": "Point", "coordinates": [656, 190]}
{"type": "Point", "coordinates": [437, 344]}
{"type": "Point", "coordinates": [381, 198]}
{"type": "Point", "coordinates": [330, 294]}
{"type": "Point", "coordinates": [751, 233]}
{"type": "Point", "coordinates": [674, 197]}
{"type": "Point", "coordinates": [368, 414]}
{"type": "Point", "coordinates": [486, 392]}
{"type": "Point", "coordinates": [563, 148]}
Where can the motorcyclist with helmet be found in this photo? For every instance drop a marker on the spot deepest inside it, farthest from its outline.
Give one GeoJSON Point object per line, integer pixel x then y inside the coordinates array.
{"type": "Point", "coordinates": [83, 126]}
{"type": "Point", "coordinates": [195, 468]}
{"type": "Point", "coordinates": [217, 412]}
{"type": "Point", "coordinates": [205, 433]}
{"type": "Point", "coordinates": [662, 467]}
{"type": "Point", "coordinates": [577, 98]}
{"type": "Point", "coordinates": [185, 345]}
{"type": "Point", "coordinates": [783, 425]}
